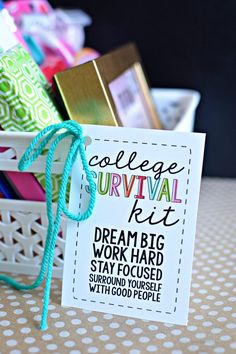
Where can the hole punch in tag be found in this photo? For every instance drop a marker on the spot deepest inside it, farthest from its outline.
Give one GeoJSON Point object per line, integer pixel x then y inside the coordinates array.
{"type": "Point", "coordinates": [87, 141]}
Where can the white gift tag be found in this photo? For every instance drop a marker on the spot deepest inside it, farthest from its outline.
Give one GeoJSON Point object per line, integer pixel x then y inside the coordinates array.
{"type": "Point", "coordinates": [133, 256]}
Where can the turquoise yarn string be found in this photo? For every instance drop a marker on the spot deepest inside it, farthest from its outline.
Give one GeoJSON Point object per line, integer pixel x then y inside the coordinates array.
{"type": "Point", "coordinates": [36, 147]}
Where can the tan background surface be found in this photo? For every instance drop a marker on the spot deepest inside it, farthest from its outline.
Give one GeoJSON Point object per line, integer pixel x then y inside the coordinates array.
{"type": "Point", "coordinates": [212, 315]}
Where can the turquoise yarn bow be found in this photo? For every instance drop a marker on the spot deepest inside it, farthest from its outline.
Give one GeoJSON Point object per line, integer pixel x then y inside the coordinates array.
{"type": "Point", "coordinates": [36, 147]}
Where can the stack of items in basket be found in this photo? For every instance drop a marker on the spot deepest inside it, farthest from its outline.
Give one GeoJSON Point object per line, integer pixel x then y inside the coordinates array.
{"type": "Point", "coordinates": [36, 42]}
{"type": "Point", "coordinates": [40, 46]}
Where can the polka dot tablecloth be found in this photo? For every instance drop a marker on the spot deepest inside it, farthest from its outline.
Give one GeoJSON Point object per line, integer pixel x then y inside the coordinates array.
{"type": "Point", "coordinates": [212, 314]}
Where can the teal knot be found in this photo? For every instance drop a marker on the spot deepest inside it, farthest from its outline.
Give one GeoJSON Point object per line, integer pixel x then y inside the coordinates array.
{"type": "Point", "coordinates": [36, 147]}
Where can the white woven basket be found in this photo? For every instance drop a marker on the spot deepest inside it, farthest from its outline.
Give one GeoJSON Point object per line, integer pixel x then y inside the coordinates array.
{"type": "Point", "coordinates": [23, 224]}
{"type": "Point", "coordinates": [23, 229]}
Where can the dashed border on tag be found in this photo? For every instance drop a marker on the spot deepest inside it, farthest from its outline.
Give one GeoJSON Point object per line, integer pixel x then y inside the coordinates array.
{"type": "Point", "coordinates": [182, 232]}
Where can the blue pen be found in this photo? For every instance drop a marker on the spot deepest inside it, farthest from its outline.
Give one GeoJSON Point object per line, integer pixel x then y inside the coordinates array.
{"type": "Point", "coordinates": [6, 189]}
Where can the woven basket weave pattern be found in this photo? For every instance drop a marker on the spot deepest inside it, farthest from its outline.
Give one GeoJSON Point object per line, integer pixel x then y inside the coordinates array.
{"type": "Point", "coordinates": [22, 239]}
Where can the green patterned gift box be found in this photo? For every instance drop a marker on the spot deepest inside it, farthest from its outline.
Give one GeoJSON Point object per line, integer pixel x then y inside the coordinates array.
{"type": "Point", "coordinates": [25, 98]}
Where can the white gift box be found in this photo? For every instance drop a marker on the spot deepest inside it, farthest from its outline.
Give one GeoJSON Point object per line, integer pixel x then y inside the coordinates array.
{"type": "Point", "coordinates": [23, 224]}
